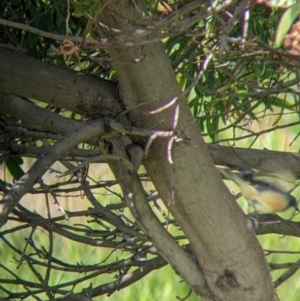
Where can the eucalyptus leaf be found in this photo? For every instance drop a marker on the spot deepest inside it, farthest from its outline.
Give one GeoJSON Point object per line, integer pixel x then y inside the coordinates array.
{"type": "Point", "coordinates": [286, 22]}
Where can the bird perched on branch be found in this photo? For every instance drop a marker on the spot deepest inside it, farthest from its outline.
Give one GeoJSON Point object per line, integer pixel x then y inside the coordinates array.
{"type": "Point", "coordinates": [265, 192]}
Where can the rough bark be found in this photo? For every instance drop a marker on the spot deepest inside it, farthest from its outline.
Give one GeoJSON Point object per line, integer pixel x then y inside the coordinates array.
{"type": "Point", "coordinates": [81, 93]}
{"type": "Point", "coordinates": [228, 253]}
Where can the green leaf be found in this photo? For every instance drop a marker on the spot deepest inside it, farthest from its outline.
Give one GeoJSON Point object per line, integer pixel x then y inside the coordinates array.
{"type": "Point", "coordinates": [13, 165]}
{"type": "Point", "coordinates": [280, 3]}
{"type": "Point", "coordinates": [31, 40]}
{"type": "Point", "coordinates": [212, 126]}
{"type": "Point", "coordinates": [280, 102]}
{"type": "Point", "coordinates": [286, 22]}
{"type": "Point", "coordinates": [50, 23]}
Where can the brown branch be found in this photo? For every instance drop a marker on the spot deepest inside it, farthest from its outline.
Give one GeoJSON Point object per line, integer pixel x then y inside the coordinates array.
{"type": "Point", "coordinates": [111, 217]}
{"type": "Point", "coordinates": [255, 134]}
{"type": "Point", "coordinates": [289, 273]}
{"type": "Point", "coordinates": [88, 42]}
{"type": "Point", "coordinates": [23, 150]}
{"type": "Point", "coordinates": [32, 114]}
{"type": "Point", "coordinates": [171, 25]}
{"type": "Point", "coordinates": [25, 183]}
{"type": "Point", "coordinates": [122, 282]}
{"type": "Point", "coordinates": [84, 94]}
{"type": "Point", "coordinates": [275, 224]}
{"type": "Point", "coordinates": [169, 249]}
{"type": "Point", "coordinates": [264, 160]}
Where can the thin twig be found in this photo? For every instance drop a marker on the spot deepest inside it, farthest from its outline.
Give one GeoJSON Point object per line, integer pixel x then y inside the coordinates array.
{"type": "Point", "coordinates": [25, 183]}
{"type": "Point", "coordinates": [102, 159]}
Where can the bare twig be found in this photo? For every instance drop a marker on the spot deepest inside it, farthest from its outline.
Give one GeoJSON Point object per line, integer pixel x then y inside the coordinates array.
{"type": "Point", "coordinates": [46, 34]}
{"type": "Point", "coordinates": [102, 159]}
{"type": "Point", "coordinates": [168, 26]}
{"type": "Point", "coordinates": [13, 149]}
{"type": "Point", "coordinates": [25, 183]}
{"type": "Point", "coordinates": [289, 273]}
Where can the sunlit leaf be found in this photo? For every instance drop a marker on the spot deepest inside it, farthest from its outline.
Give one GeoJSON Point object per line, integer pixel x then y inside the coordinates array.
{"type": "Point", "coordinates": [279, 3]}
{"type": "Point", "coordinates": [286, 22]}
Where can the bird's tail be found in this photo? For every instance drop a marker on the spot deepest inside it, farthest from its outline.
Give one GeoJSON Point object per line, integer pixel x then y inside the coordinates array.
{"type": "Point", "coordinates": [247, 190]}
{"type": "Point", "coordinates": [232, 176]}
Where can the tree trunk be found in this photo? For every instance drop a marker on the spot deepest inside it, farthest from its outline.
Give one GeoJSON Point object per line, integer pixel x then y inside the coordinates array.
{"type": "Point", "coordinates": [227, 251]}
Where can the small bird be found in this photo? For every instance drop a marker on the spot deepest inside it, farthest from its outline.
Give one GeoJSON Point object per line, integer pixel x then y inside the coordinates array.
{"type": "Point", "coordinates": [265, 192]}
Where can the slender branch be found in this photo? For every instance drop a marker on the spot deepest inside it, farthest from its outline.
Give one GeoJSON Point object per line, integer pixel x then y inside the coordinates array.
{"type": "Point", "coordinates": [289, 273]}
{"type": "Point", "coordinates": [113, 218]}
{"type": "Point", "coordinates": [134, 131]}
{"type": "Point", "coordinates": [36, 134]}
{"type": "Point", "coordinates": [84, 239]}
{"type": "Point", "coordinates": [275, 224]}
{"type": "Point", "coordinates": [13, 149]}
{"type": "Point", "coordinates": [135, 197]}
{"type": "Point", "coordinates": [286, 265]}
{"type": "Point", "coordinates": [25, 183]}
{"type": "Point", "coordinates": [88, 41]}
{"type": "Point", "coordinates": [122, 282]}
{"type": "Point", "coordinates": [102, 159]}
{"type": "Point", "coordinates": [168, 26]}
{"type": "Point", "coordinates": [257, 134]}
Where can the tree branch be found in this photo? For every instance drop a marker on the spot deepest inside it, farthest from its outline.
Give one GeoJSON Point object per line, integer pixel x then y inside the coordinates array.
{"type": "Point", "coordinates": [122, 282]}
{"type": "Point", "coordinates": [30, 151]}
{"type": "Point", "coordinates": [85, 94]}
{"type": "Point", "coordinates": [25, 183]}
{"type": "Point", "coordinates": [170, 250]}
{"type": "Point", "coordinates": [275, 224]}
{"type": "Point", "coordinates": [171, 25]}
{"type": "Point", "coordinates": [32, 114]}
{"type": "Point", "coordinates": [87, 42]}
{"type": "Point", "coordinates": [111, 217]}
{"type": "Point", "coordinates": [264, 160]}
